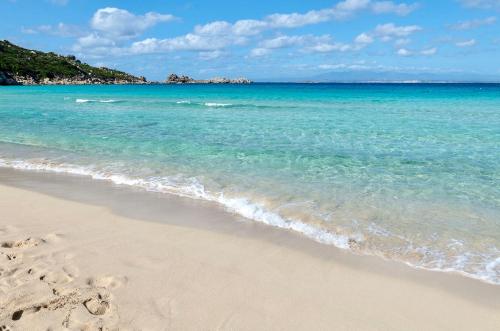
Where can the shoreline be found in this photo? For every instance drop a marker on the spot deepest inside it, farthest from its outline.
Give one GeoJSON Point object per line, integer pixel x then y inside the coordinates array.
{"type": "Point", "coordinates": [303, 230]}
{"type": "Point", "coordinates": [223, 271]}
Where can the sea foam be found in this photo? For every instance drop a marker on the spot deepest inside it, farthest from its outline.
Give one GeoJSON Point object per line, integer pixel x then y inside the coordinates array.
{"type": "Point", "coordinates": [256, 212]}
{"type": "Point", "coordinates": [98, 101]}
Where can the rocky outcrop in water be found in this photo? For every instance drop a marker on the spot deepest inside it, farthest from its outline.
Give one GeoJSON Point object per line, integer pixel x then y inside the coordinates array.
{"type": "Point", "coordinates": [176, 79]}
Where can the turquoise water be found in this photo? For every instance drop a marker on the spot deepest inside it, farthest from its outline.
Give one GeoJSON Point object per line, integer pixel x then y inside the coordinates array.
{"type": "Point", "coordinates": [406, 172]}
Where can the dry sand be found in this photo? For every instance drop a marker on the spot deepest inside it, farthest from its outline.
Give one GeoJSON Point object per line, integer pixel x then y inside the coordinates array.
{"type": "Point", "coordinates": [67, 264]}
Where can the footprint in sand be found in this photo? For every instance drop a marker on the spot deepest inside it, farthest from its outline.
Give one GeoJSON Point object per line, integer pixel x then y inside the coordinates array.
{"type": "Point", "coordinates": [109, 282]}
{"type": "Point", "coordinates": [26, 243]}
{"type": "Point", "coordinates": [98, 305]}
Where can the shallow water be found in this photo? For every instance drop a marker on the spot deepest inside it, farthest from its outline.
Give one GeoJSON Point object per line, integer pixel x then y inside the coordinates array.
{"type": "Point", "coordinates": [407, 172]}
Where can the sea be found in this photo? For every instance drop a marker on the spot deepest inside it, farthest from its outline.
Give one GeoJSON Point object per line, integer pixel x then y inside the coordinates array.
{"type": "Point", "coordinates": [407, 172]}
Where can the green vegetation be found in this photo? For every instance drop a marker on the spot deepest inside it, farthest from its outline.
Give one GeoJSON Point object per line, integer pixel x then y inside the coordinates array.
{"type": "Point", "coordinates": [25, 64]}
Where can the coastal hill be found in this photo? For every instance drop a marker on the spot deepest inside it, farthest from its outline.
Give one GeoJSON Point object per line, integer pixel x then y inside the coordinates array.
{"type": "Point", "coordinates": [24, 66]}
{"type": "Point", "coordinates": [175, 79]}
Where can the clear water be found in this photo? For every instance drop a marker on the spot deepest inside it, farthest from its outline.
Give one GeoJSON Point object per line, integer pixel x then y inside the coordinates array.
{"type": "Point", "coordinates": [407, 172]}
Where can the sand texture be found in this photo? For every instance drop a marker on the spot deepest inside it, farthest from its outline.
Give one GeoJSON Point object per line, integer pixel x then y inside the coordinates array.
{"type": "Point", "coordinates": [77, 266]}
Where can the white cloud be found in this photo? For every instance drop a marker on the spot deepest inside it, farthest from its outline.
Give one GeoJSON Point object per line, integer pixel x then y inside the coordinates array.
{"type": "Point", "coordinates": [466, 25]}
{"type": "Point", "coordinates": [94, 40]}
{"type": "Point", "coordinates": [363, 38]}
{"type": "Point", "coordinates": [330, 47]}
{"type": "Point", "coordinates": [391, 30]}
{"type": "Point", "coordinates": [119, 25]}
{"type": "Point", "coordinates": [188, 42]}
{"type": "Point", "coordinates": [387, 32]}
{"type": "Point", "coordinates": [341, 10]}
{"type": "Point", "coordinates": [248, 27]}
{"type": "Point", "coordinates": [61, 30]}
{"type": "Point", "coordinates": [386, 7]}
{"type": "Point", "coordinates": [344, 66]}
{"type": "Point", "coordinates": [28, 30]}
{"type": "Point", "coordinates": [466, 43]}
{"type": "Point", "coordinates": [212, 55]}
{"type": "Point", "coordinates": [213, 28]}
{"type": "Point", "coordinates": [429, 51]}
{"type": "Point", "coordinates": [296, 20]}
{"type": "Point", "coordinates": [424, 52]}
{"type": "Point", "coordinates": [283, 41]}
{"type": "Point", "coordinates": [258, 52]}
{"type": "Point", "coordinates": [123, 24]}
{"type": "Point", "coordinates": [404, 52]}
{"type": "Point", "coordinates": [484, 4]}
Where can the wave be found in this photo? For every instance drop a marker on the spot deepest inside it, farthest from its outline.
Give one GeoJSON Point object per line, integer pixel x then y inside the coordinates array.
{"type": "Point", "coordinates": [192, 188]}
{"type": "Point", "coordinates": [97, 101]}
{"type": "Point", "coordinates": [215, 104]}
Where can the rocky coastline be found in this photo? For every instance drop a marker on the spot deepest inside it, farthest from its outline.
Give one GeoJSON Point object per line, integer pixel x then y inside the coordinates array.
{"type": "Point", "coordinates": [6, 79]}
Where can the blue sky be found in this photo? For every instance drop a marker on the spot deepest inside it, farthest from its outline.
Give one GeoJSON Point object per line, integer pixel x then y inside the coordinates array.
{"type": "Point", "coordinates": [291, 39]}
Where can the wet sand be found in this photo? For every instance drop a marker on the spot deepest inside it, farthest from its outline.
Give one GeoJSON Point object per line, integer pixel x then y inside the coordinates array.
{"type": "Point", "coordinates": [82, 254]}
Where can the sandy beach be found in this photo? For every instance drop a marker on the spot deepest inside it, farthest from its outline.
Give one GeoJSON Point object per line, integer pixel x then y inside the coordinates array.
{"type": "Point", "coordinates": [165, 263]}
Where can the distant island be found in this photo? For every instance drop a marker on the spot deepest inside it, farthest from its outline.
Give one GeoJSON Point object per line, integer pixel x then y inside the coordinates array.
{"type": "Point", "coordinates": [21, 66]}
{"type": "Point", "coordinates": [175, 79]}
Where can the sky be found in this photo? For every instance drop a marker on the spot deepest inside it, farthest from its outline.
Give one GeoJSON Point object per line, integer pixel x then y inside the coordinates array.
{"type": "Point", "coordinates": [267, 40]}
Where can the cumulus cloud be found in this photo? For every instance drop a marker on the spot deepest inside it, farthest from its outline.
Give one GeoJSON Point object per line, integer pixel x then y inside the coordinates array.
{"type": "Point", "coordinates": [112, 27]}
{"type": "Point", "coordinates": [467, 25]}
{"type": "Point", "coordinates": [121, 23]}
{"type": "Point", "coordinates": [466, 43]}
{"type": "Point", "coordinates": [341, 10]}
{"type": "Point", "coordinates": [388, 32]}
{"type": "Point", "coordinates": [404, 52]}
{"type": "Point", "coordinates": [188, 42]}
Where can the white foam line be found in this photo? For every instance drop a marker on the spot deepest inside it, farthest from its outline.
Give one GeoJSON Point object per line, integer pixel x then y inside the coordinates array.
{"type": "Point", "coordinates": [91, 100]}
{"type": "Point", "coordinates": [239, 206]}
{"type": "Point", "coordinates": [215, 104]}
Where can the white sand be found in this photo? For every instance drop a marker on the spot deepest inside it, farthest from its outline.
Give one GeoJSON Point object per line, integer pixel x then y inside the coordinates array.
{"type": "Point", "coordinates": [85, 267]}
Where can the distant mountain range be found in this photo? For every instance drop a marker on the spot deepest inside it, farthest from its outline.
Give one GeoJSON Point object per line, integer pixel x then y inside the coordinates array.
{"type": "Point", "coordinates": [24, 66]}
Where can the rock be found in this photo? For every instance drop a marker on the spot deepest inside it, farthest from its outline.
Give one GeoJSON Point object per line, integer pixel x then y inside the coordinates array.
{"type": "Point", "coordinates": [175, 79]}
{"type": "Point", "coordinates": [6, 79]}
